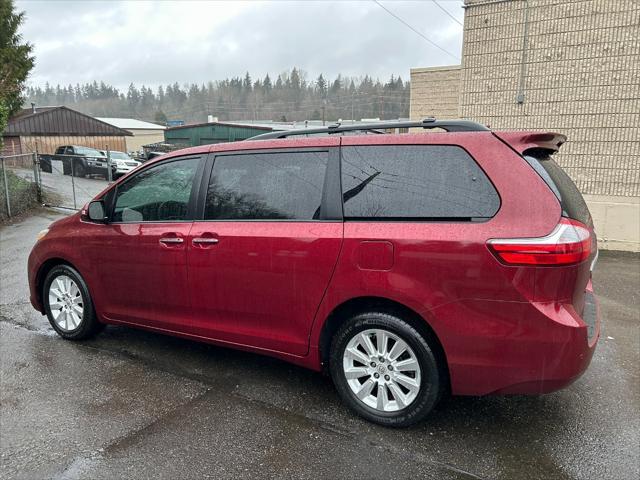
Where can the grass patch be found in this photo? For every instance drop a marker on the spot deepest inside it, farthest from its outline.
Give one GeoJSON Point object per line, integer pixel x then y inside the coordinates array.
{"type": "Point", "coordinates": [22, 195]}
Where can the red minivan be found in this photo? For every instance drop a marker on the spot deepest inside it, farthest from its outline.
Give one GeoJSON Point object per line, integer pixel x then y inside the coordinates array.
{"type": "Point", "coordinates": [405, 265]}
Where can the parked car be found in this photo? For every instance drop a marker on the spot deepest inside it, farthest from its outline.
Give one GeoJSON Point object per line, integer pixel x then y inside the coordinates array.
{"type": "Point", "coordinates": [77, 161]}
{"type": "Point", "coordinates": [123, 163]}
{"type": "Point", "coordinates": [404, 265]}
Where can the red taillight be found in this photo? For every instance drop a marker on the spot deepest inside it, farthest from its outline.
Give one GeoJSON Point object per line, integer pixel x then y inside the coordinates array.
{"type": "Point", "coordinates": [568, 244]}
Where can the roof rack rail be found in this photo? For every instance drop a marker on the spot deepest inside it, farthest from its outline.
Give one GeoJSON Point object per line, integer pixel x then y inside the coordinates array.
{"type": "Point", "coordinates": [379, 127]}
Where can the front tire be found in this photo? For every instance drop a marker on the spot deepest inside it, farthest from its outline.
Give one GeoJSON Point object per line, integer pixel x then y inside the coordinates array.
{"type": "Point", "coordinates": [68, 304]}
{"type": "Point", "coordinates": [385, 370]}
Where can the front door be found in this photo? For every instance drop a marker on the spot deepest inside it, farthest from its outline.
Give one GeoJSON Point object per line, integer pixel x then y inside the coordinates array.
{"type": "Point", "coordinates": [262, 258]}
{"type": "Point", "coordinates": [141, 252]}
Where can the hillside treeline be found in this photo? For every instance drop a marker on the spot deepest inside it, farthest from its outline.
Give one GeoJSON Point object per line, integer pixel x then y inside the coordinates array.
{"type": "Point", "coordinates": [290, 96]}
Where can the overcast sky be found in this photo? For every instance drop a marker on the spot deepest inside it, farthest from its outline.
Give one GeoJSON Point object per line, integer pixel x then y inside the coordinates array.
{"type": "Point", "coordinates": [163, 42]}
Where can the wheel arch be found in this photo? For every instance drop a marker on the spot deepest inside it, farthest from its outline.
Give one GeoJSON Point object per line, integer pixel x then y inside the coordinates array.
{"type": "Point", "coordinates": [359, 305]}
{"type": "Point", "coordinates": [43, 271]}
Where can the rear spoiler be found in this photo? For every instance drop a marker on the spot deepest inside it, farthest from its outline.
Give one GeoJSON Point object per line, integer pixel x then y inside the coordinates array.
{"type": "Point", "coordinates": [525, 141]}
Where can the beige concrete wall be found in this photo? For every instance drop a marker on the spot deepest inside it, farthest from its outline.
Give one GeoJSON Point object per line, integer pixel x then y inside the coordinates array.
{"type": "Point", "coordinates": [143, 137]}
{"type": "Point", "coordinates": [575, 64]}
{"type": "Point", "coordinates": [616, 221]}
{"type": "Point", "coordinates": [579, 77]}
{"type": "Point", "coordinates": [435, 92]}
{"type": "Point", "coordinates": [577, 68]}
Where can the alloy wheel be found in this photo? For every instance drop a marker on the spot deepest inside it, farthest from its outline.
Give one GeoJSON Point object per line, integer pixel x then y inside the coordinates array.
{"type": "Point", "coordinates": [381, 370]}
{"type": "Point", "coordinates": [65, 303]}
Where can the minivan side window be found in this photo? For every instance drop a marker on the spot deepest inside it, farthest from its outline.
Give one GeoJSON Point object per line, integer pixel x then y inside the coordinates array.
{"type": "Point", "coordinates": [266, 186]}
{"type": "Point", "coordinates": [158, 193]}
{"type": "Point", "coordinates": [422, 182]}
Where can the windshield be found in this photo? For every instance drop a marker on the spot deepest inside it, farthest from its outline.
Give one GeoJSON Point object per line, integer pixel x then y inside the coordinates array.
{"type": "Point", "coordinates": [88, 151]}
{"type": "Point", "coordinates": [120, 156]}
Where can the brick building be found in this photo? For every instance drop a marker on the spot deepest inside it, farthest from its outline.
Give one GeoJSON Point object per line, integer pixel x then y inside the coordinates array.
{"type": "Point", "coordinates": [567, 66]}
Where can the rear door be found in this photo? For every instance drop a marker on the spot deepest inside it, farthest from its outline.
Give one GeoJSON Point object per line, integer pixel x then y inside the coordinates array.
{"type": "Point", "coordinates": [262, 256]}
{"type": "Point", "coordinates": [418, 216]}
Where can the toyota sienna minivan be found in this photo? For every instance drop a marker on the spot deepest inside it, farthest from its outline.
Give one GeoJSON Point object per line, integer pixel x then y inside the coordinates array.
{"type": "Point", "coordinates": [406, 266]}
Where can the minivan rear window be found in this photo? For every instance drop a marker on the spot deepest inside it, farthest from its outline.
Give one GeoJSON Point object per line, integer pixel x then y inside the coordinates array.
{"type": "Point", "coordinates": [571, 200]}
{"type": "Point", "coordinates": [421, 182]}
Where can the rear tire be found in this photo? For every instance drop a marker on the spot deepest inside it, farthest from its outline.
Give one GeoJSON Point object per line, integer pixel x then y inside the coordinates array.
{"type": "Point", "coordinates": [393, 378]}
{"type": "Point", "coordinates": [68, 304]}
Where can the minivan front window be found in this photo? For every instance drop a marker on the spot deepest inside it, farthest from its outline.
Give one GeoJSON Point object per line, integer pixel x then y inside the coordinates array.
{"type": "Point", "coordinates": [158, 193]}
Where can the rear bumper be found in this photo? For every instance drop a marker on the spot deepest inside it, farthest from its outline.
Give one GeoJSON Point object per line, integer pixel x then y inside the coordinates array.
{"type": "Point", "coordinates": [524, 348]}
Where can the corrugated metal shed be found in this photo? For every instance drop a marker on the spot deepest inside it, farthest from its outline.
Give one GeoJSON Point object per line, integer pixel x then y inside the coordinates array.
{"type": "Point", "coordinates": [50, 127]}
{"type": "Point", "coordinates": [131, 123]}
{"type": "Point", "coordinates": [59, 121]}
{"type": "Point", "coordinates": [215, 132]}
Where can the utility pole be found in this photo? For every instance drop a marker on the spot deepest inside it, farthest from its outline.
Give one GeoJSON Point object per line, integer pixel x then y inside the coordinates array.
{"type": "Point", "coordinates": [352, 115]}
{"type": "Point", "coordinates": [324, 103]}
{"type": "Point", "coordinates": [109, 173]}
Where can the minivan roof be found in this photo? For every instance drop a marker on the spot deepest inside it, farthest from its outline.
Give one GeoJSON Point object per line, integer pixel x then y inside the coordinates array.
{"type": "Point", "coordinates": [379, 127]}
{"type": "Point", "coordinates": [324, 137]}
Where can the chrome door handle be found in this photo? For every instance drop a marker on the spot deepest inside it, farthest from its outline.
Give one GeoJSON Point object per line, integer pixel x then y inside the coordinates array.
{"type": "Point", "coordinates": [205, 240]}
{"type": "Point", "coordinates": [171, 240]}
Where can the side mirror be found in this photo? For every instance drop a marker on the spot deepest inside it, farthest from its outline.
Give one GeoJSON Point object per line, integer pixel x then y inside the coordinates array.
{"type": "Point", "coordinates": [96, 212]}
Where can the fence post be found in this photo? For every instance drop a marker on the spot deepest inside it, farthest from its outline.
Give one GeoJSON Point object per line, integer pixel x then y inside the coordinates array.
{"type": "Point", "coordinates": [6, 186]}
{"type": "Point", "coordinates": [36, 176]}
{"type": "Point", "coordinates": [110, 174]}
{"type": "Point", "coordinates": [73, 181]}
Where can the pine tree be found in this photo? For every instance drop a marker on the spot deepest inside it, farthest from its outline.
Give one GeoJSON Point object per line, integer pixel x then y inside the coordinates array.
{"type": "Point", "coordinates": [321, 86]}
{"type": "Point", "coordinates": [246, 84]}
{"type": "Point", "coordinates": [267, 84]}
{"type": "Point", "coordinates": [15, 58]}
{"type": "Point", "coordinates": [336, 86]}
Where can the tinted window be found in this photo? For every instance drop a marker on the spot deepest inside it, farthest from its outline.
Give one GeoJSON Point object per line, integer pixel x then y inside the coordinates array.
{"type": "Point", "coordinates": [428, 182]}
{"type": "Point", "coordinates": [266, 186]}
{"type": "Point", "coordinates": [159, 193]}
{"type": "Point", "coordinates": [88, 151]}
{"type": "Point", "coordinates": [570, 198]}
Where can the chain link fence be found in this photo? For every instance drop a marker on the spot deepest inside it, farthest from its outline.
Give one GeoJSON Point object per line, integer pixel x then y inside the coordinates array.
{"type": "Point", "coordinates": [20, 189]}
{"type": "Point", "coordinates": [61, 181]}
{"type": "Point", "coordinates": [72, 180]}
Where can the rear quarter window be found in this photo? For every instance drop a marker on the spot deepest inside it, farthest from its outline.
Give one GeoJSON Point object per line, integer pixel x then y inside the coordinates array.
{"type": "Point", "coordinates": [422, 182]}
{"type": "Point", "coordinates": [571, 200]}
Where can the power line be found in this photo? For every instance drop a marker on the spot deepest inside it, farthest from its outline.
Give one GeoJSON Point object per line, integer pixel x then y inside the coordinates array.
{"type": "Point", "coordinates": [447, 12]}
{"type": "Point", "coordinates": [414, 30]}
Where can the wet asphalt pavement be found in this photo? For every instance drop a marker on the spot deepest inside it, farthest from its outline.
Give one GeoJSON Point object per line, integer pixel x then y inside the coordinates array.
{"type": "Point", "coordinates": [140, 405]}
